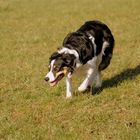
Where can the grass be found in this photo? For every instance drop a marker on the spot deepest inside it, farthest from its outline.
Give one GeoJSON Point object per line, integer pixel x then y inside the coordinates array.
{"type": "Point", "coordinates": [30, 109]}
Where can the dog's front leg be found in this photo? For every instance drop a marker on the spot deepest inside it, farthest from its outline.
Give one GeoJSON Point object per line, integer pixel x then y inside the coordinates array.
{"type": "Point", "coordinates": [68, 88]}
{"type": "Point", "coordinates": [88, 80]}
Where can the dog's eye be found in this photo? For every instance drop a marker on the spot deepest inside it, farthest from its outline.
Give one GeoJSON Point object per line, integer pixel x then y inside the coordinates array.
{"type": "Point", "coordinates": [55, 68]}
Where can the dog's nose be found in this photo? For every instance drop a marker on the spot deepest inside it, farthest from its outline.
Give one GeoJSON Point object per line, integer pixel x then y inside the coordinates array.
{"type": "Point", "coordinates": [46, 79]}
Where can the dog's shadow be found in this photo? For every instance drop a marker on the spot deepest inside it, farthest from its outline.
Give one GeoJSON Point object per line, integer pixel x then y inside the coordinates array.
{"type": "Point", "coordinates": [128, 74]}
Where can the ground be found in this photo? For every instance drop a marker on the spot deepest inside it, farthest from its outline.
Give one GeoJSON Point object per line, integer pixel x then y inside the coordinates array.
{"type": "Point", "coordinates": [31, 110]}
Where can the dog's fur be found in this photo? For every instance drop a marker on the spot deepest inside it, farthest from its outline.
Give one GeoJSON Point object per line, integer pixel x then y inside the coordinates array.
{"type": "Point", "coordinates": [92, 45]}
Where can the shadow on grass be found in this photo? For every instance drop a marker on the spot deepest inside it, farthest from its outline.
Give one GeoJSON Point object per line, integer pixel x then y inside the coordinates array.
{"type": "Point", "coordinates": [127, 74]}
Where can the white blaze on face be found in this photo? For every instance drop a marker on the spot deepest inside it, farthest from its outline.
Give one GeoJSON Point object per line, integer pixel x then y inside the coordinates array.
{"type": "Point", "coordinates": [50, 74]}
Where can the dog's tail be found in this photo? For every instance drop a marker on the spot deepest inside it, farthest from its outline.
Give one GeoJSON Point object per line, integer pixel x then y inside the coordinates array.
{"type": "Point", "coordinates": [107, 51]}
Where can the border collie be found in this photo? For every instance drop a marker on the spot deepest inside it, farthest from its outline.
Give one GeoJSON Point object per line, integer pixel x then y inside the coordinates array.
{"type": "Point", "coordinates": [92, 45]}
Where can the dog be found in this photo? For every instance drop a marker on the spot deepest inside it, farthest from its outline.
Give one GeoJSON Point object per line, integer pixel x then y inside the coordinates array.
{"type": "Point", "coordinates": [92, 45]}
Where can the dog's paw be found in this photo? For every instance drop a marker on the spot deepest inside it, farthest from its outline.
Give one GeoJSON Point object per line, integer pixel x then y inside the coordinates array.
{"type": "Point", "coordinates": [81, 89]}
{"type": "Point", "coordinates": [84, 89]}
{"type": "Point", "coordinates": [68, 97]}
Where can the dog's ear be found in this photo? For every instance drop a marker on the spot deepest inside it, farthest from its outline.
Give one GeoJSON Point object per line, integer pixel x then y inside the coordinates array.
{"type": "Point", "coordinates": [55, 55]}
{"type": "Point", "coordinates": [68, 59]}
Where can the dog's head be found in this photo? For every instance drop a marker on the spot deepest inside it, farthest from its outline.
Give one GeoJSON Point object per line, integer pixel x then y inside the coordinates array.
{"type": "Point", "coordinates": [60, 65]}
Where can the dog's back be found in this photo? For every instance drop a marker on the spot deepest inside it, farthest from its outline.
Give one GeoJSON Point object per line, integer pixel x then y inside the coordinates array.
{"type": "Point", "coordinates": [79, 41]}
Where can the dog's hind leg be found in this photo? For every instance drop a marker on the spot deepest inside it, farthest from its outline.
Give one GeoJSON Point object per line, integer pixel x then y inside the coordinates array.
{"type": "Point", "coordinates": [97, 89]}
{"type": "Point", "coordinates": [98, 79]}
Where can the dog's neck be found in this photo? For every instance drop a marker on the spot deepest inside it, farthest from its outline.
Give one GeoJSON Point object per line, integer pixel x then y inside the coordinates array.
{"type": "Point", "coordinates": [71, 51]}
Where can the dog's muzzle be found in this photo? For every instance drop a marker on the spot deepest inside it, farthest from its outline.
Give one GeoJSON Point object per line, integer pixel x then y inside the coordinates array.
{"type": "Point", "coordinates": [58, 76]}
{"type": "Point", "coordinates": [46, 79]}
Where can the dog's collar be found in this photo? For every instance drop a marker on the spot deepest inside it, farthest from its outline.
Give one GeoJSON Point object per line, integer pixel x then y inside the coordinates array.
{"type": "Point", "coordinates": [70, 51]}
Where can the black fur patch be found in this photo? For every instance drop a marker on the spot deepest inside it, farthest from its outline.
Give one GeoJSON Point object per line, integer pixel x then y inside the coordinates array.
{"type": "Point", "coordinates": [80, 42]}
{"type": "Point", "coordinates": [63, 60]}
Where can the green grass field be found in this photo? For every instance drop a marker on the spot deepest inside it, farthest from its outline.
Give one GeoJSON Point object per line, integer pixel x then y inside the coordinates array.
{"type": "Point", "coordinates": [30, 30]}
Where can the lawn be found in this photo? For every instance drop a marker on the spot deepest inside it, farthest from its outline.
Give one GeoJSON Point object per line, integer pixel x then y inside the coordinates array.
{"type": "Point", "coordinates": [30, 30]}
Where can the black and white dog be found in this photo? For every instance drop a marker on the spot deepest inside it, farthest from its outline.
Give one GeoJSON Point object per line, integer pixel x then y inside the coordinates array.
{"type": "Point", "coordinates": [92, 45]}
